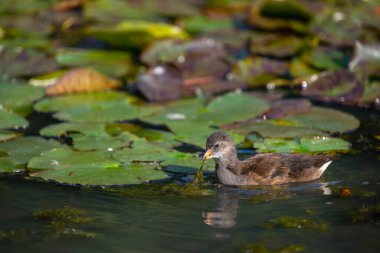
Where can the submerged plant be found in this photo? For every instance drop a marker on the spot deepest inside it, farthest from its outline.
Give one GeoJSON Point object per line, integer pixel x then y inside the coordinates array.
{"type": "Point", "coordinates": [298, 223]}
{"type": "Point", "coordinates": [261, 248]}
{"type": "Point", "coordinates": [366, 213]}
{"type": "Point", "coordinates": [169, 190]}
{"type": "Point", "coordinates": [65, 222]}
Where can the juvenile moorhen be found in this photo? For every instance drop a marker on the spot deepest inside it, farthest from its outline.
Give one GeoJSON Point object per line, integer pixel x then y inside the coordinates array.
{"type": "Point", "coordinates": [261, 169]}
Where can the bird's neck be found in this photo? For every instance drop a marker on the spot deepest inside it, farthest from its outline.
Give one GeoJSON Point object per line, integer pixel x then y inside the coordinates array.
{"type": "Point", "coordinates": [229, 161]}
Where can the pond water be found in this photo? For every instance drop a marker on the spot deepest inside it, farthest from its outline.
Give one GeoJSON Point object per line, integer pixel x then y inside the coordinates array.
{"type": "Point", "coordinates": [231, 220]}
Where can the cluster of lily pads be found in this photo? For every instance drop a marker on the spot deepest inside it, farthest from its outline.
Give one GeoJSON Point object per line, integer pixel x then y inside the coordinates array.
{"type": "Point", "coordinates": [90, 64]}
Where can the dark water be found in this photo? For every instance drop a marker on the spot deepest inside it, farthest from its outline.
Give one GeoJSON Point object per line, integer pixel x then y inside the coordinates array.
{"type": "Point", "coordinates": [221, 223]}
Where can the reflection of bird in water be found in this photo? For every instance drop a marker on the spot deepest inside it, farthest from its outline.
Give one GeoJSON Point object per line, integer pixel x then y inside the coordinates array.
{"type": "Point", "coordinates": [262, 169]}
{"type": "Point", "coordinates": [224, 216]}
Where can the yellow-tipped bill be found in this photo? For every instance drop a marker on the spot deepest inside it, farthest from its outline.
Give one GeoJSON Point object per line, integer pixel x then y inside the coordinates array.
{"type": "Point", "coordinates": [207, 155]}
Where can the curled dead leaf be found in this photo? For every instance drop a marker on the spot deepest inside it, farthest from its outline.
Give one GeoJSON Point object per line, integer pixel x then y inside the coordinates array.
{"type": "Point", "coordinates": [81, 80]}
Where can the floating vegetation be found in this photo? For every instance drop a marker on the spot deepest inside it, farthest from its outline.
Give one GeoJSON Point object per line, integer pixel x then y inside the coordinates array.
{"type": "Point", "coordinates": [172, 190]}
{"type": "Point", "coordinates": [270, 196]}
{"type": "Point", "coordinates": [366, 213]}
{"type": "Point", "coordinates": [297, 223]}
{"type": "Point", "coordinates": [261, 248]}
{"type": "Point", "coordinates": [64, 222]}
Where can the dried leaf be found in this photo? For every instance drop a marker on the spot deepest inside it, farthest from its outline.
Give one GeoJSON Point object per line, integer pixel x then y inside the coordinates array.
{"type": "Point", "coordinates": [81, 80]}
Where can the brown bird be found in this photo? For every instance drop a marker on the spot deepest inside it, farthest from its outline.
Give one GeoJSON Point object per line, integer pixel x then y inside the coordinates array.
{"type": "Point", "coordinates": [261, 169]}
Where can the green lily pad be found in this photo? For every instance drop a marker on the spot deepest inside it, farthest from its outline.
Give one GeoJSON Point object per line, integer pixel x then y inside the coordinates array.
{"type": "Point", "coordinates": [258, 71]}
{"type": "Point", "coordinates": [299, 68]}
{"type": "Point", "coordinates": [279, 129]}
{"type": "Point", "coordinates": [184, 163]}
{"type": "Point", "coordinates": [7, 135]}
{"type": "Point", "coordinates": [7, 165]}
{"type": "Point", "coordinates": [19, 98]}
{"type": "Point", "coordinates": [196, 133]}
{"type": "Point", "coordinates": [325, 119]}
{"type": "Point", "coordinates": [46, 80]}
{"type": "Point", "coordinates": [107, 143]}
{"type": "Point", "coordinates": [141, 151]}
{"type": "Point", "coordinates": [112, 63]}
{"type": "Point", "coordinates": [371, 93]}
{"type": "Point", "coordinates": [234, 106]}
{"type": "Point", "coordinates": [136, 34]}
{"type": "Point", "coordinates": [303, 145]}
{"type": "Point", "coordinates": [273, 45]}
{"type": "Point", "coordinates": [180, 110]}
{"type": "Point", "coordinates": [24, 148]}
{"type": "Point", "coordinates": [64, 102]}
{"type": "Point", "coordinates": [334, 29]}
{"type": "Point", "coordinates": [19, 62]}
{"type": "Point", "coordinates": [197, 24]}
{"type": "Point", "coordinates": [111, 111]}
{"type": "Point", "coordinates": [92, 168]}
{"type": "Point", "coordinates": [324, 57]}
{"type": "Point", "coordinates": [111, 11]}
{"type": "Point", "coordinates": [88, 129]}
{"type": "Point", "coordinates": [9, 119]}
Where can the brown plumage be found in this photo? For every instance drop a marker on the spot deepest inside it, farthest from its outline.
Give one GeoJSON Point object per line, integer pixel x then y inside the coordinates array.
{"type": "Point", "coordinates": [262, 169]}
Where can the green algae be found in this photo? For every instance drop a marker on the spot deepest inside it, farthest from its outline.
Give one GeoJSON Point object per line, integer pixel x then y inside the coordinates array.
{"type": "Point", "coordinates": [171, 190]}
{"type": "Point", "coordinates": [65, 222]}
{"type": "Point", "coordinates": [261, 248]}
{"type": "Point", "coordinates": [366, 213]}
{"type": "Point", "coordinates": [297, 223]}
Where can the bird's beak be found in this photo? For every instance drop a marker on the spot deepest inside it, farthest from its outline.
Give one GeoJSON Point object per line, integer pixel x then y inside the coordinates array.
{"type": "Point", "coordinates": [207, 155]}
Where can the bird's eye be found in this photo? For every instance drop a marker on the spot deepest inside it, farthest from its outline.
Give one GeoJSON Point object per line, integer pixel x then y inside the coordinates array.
{"type": "Point", "coordinates": [216, 145]}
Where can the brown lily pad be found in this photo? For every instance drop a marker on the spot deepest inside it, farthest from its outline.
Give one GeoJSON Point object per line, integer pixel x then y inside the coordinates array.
{"type": "Point", "coordinates": [340, 86]}
{"type": "Point", "coordinates": [161, 83]}
{"type": "Point", "coordinates": [81, 80]}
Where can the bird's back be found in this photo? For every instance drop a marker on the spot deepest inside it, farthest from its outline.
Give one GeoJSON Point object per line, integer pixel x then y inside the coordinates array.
{"type": "Point", "coordinates": [283, 168]}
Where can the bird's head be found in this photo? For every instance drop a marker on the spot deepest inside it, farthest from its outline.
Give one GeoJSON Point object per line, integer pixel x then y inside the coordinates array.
{"type": "Point", "coordinates": [218, 146]}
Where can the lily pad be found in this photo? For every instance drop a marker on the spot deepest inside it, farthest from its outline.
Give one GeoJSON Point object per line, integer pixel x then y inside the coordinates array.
{"type": "Point", "coordinates": [111, 111]}
{"type": "Point", "coordinates": [184, 163]}
{"type": "Point", "coordinates": [24, 148]}
{"type": "Point", "coordinates": [324, 57]}
{"type": "Point", "coordinates": [92, 168]}
{"type": "Point", "coordinates": [9, 119]}
{"type": "Point", "coordinates": [325, 119]}
{"type": "Point", "coordinates": [299, 68]}
{"type": "Point", "coordinates": [103, 142]}
{"type": "Point", "coordinates": [109, 62]}
{"type": "Point", "coordinates": [136, 34]}
{"type": "Point", "coordinates": [186, 109]}
{"type": "Point", "coordinates": [7, 135]}
{"type": "Point", "coordinates": [18, 97]}
{"type": "Point", "coordinates": [303, 145]}
{"type": "Point", "coordinates": [258, 71]}
{"type": "Point", "coordinates": [176, 51]}
{"type": "Point", "coordinates": [334, 27]}
{"type": "Point", "coordinates": [274, 45]}
{"type": "Point", "coordinates": [197, 24]}
{"type": "Point", "coordinates": [19, 62]}
{"type": "Point", "coordinates": [81, 80]}
{"type": "Point", "coordinates": [234, 106]}
{"type": "Point", "coordinates": [73, 100]}
{"type": "Point", "coordinates": [88, 129]}
{"type": "Point", "coordinates": [279, 129]}
{"type": "Point", "coordinates": [279, 15]}
{"type": "Point", "coordinates": [111, 11]}
{"type": "Point", "coordinates": [7, 165]}
{"type": "Point", "coordinates": [196, 133]}
{"type": "Point", "coordinates": [161, 83]}
{"type": "Point", "coordinates": [141, 151]}
{"type": "Point", "coordinates": [341, 86]}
